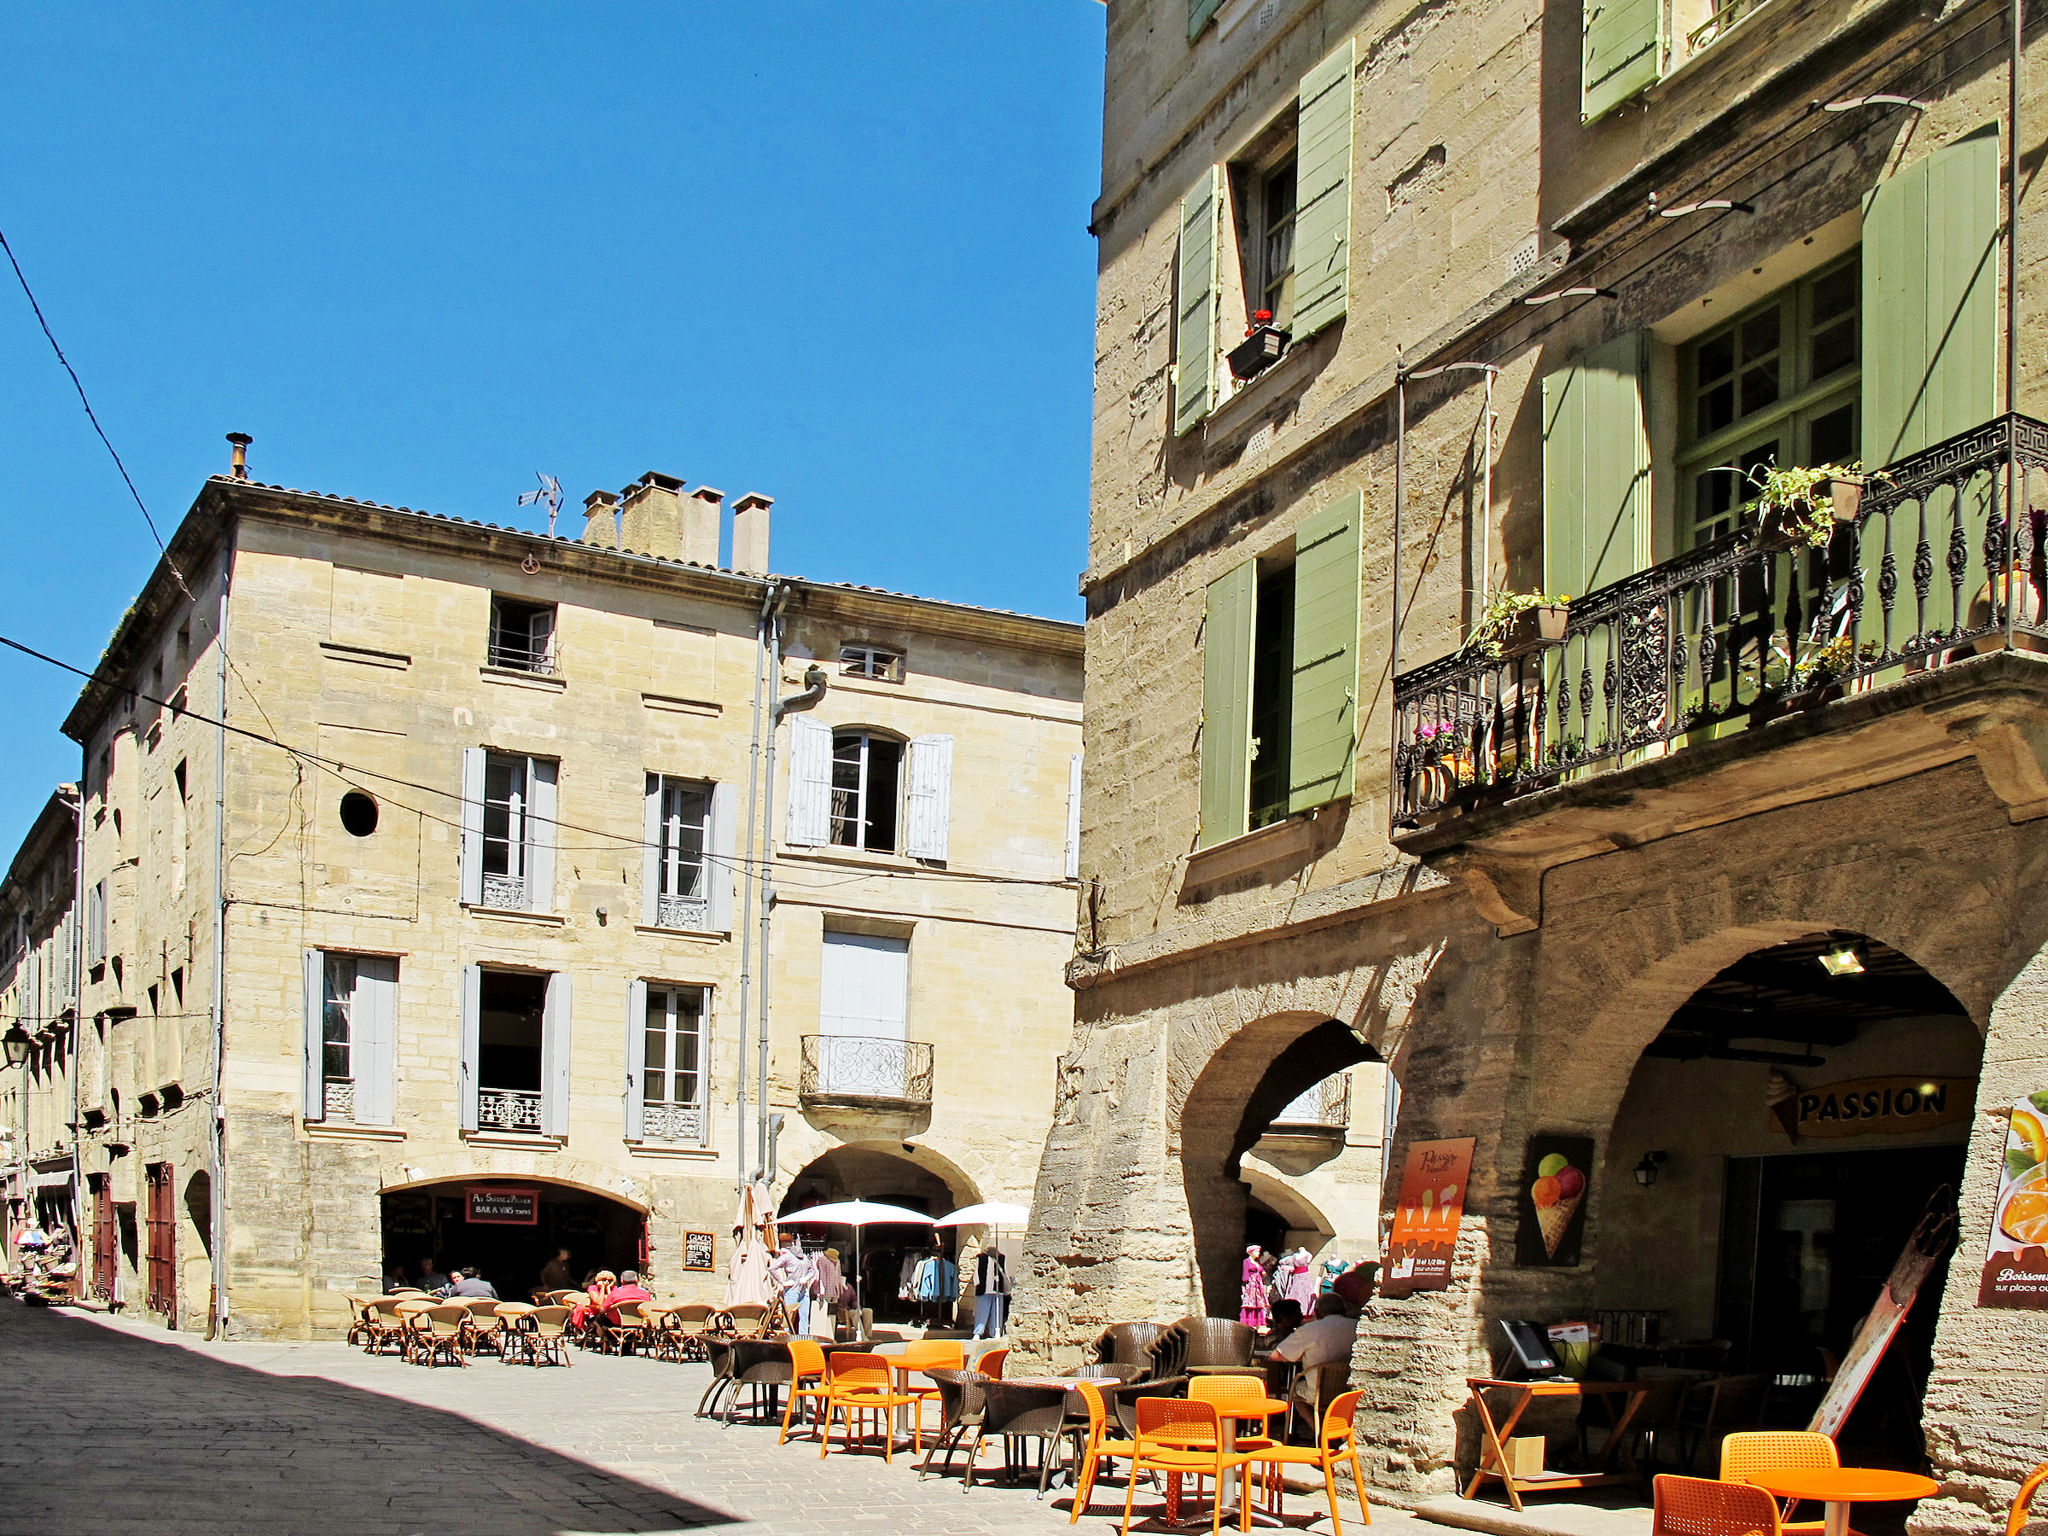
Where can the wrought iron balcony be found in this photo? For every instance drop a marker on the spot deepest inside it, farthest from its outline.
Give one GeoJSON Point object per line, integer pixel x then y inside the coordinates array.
{"type": "Point", "coordinates": [1323, 1111]}
{"type": "Point", "coordinates": [508, 1109]}
{"type": "Point", "coordinates": [866, 1072]}
{"type": "Point", "coordinates": [1946, 558]}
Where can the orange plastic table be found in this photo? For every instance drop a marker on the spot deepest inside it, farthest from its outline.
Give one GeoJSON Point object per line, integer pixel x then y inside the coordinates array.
{"type": "Point", "coordinates": [1839, 1487]}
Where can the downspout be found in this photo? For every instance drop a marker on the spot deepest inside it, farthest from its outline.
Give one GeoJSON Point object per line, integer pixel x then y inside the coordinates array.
{"type": "Point", "coordinates": [813, 691]}
{"type": "Point", "coordinates": [217, 1205]}
{"type": "Point", "coordinates": [747, 872]}
{"type": "Point", "coordinates": [77, 1026]}
{"type": "Point", "coordinates": [2012, 307]}
{"type": "Point", "coordinates": [1400, 500]}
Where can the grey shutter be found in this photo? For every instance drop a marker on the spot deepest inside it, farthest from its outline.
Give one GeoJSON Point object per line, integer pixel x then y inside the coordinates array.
{"type": "Point", "coordinates": [554, 1066]}
{"type": "Point", "coordinates": [1199, 12]}
{"type": "Point", "coordinates": [373, 1021]}
{"type": "Point", "coordinates": [540, 834]}
{"type": "Point", "coordinates": [636, 1059]}
{"type": "Point", "coordinates": [721, 868]}
{"type": "Point", "coordinates": [929, 802]}
{"type": "Point", "coordinates": [1194, 339]}
{"type": "Point", "coordinates": [315, 969]}
{"type": "Point", "coordinates": [1322, 175]}
{"type": "Point", "coordinates": [810, 783]}
{"type": "Point", "coordinates": [650, 854]}
{"type": "Point", "coordinates": [1226, 765]}
{"type": "Point", "coordinates": [473, 825]}
{"type": "Point", "coordinates": [1074, 817]}
{"type": "Point", "coordinates": [472, 1030]}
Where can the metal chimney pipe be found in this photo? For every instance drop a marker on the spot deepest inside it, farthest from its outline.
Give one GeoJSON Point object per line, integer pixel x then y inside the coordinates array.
{"type": "Point", "coordinates": [238, 466]}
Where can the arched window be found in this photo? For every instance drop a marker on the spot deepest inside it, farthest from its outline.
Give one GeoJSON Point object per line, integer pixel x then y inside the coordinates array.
{"type": "Point", "coordinates": [867, 788]}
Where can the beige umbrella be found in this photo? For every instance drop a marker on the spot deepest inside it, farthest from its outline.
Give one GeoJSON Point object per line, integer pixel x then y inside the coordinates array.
{"type": "Point", "coordinates": [747, 1280]}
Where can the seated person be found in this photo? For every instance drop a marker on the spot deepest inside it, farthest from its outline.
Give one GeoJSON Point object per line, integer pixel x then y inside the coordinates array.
{"type": "Point", "coordinates": [554, 1275]}
{"type": "Point", "coordinates": [1286, 1318]}
{"type": "Point", "coordinates": [430, 1278]}
{"type": "Point", "coordinates": [468, 1283]}
{"type": "Point", "coordinates": [628, 1289]}
{"type": "Point", "coordinates": [1324, 1341]}
{"type": "Point", "coordinates": [594, 1299]}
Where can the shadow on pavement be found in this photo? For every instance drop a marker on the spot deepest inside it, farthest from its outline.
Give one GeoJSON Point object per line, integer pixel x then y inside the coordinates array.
{"type": "Point", "coordinates": [108, 1433]}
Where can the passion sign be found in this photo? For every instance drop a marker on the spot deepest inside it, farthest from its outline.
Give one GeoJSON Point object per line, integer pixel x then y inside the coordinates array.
{"type": "Point", "coordinates": [1877, 1106]}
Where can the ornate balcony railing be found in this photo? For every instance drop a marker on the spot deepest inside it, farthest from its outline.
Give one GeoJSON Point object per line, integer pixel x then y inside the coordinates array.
{"type": "Point", "coordinates": [1322, 1111]}
{"type": "Point", "coordinates": [507, 892]}
{"type": "Point", "coordinates": [1947, 557]}
{"type": "Point", "coordinates": [508, 1109]}
{"type": "Point", "coordinates": [692, 912]}
{"type": "Point", "coordinates": [672, 1122]}
{"type": "Point", "coordinates": [866, 1070]}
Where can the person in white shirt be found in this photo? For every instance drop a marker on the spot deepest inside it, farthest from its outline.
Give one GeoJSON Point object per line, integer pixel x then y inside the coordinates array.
{"type": "Point", "coordinates": [1326, 1340]}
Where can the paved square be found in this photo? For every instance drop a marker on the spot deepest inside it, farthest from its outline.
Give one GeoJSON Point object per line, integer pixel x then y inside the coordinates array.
{"type": "Point", "coordinates": [118, 1428]}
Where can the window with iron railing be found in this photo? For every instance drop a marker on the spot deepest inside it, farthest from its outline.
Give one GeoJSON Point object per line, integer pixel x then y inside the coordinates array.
{"type": "Point", "coordinates": [522, 635]}
{"type": "Point", "coordinates": [682, 829]}
{"type": "Point", "coordinates": [672, 1071]}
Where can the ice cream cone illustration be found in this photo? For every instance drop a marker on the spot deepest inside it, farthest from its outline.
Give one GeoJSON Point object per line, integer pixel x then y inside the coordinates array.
{"type": "Point", "coordinates": [1557, 1194]}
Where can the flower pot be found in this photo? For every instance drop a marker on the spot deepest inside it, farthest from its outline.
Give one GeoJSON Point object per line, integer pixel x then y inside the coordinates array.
{"type": "Point", "coordinates": [1262, 347]}
{"type": "Point", "coordinates": [1532, 629]}
{"type": "Point", "coordinates": [1847, 496]}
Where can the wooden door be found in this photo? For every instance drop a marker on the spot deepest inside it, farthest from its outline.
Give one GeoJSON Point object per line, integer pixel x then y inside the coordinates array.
{"type": "Point", "coordinates": [163, 1233]}
{"type": "Point", "coordinates": [105, 1266]}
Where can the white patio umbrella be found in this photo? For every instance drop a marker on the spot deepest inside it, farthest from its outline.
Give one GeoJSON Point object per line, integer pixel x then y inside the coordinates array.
{"type": "Point", "coordinates": [855, 1214]}
{"type": "Point", "coordinates": [993, 1214]}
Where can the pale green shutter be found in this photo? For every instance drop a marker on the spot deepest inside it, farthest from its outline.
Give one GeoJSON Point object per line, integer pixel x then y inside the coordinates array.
{"type": "Point", "coordinates": [1227, 704]}
{"type": "Point", "coordinates": [1325, 714]}
{"type": "Point", "coordinates": [1622, 42]}
{"type": "Point", "coordinates": [1194, 378]}
{"type": "Point", "coordinates": [1199, 12]}
{"type": "Point", "coordinates": [1322, 222]}
{"type": "Point", "coordinates": [1930, 300]}
{"type": "Point", "coordinates": [1596, 469]}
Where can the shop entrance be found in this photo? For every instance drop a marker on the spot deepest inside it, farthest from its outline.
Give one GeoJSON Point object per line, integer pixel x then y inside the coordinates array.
{"type": "Point", "coordinates": [1779, 1140]}
{"type": "Point", "coordinates": [509, 1230]}
{"type": "Point", "coordinates": [889, 1253]}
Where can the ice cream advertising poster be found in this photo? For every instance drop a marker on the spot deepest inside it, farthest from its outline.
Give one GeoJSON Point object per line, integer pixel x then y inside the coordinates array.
{"type": "Point", "coordinates": [2016, 1267]}
{"type": "Point", "coordinates": [1425, 1232]}
{"type": "Point", "coordinates": [1552, 1200]}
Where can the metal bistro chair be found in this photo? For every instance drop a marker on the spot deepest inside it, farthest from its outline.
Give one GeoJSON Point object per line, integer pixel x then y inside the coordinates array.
{"type": "Point", "coordinates": [960, 1408]}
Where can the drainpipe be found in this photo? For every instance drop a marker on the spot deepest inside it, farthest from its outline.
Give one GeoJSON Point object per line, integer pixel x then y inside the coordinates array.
{"type": "Point", "coordinates": [2012, 305]}
{"type": "Point", "coordinates": [813, 691]}
{"type": "Point", "coordinates": [216, 1141]}
{"type": "Point", "coordinates": [77, 804]}
{"type": "Point", "coordinates": [747, 872]}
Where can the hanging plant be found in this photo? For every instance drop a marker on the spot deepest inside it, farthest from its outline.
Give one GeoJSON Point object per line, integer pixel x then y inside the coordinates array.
{"type": "Point", "coordinates": [1802, 505]}
{"type": "Point", "coordinates": [1514, 623]}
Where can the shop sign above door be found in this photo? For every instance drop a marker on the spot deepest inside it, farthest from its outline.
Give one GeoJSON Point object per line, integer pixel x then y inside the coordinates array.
{"type": "Point", "coordinates": [1878, 1106]}
{"type": "Point", "coordinates": [500, 1206]}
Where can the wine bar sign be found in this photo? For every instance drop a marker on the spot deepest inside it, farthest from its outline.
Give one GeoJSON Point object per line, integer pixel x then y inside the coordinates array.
{"type": "Point", "coordinates": [499, 1206]}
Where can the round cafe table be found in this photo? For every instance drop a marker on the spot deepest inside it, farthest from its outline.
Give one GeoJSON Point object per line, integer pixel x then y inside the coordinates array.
{"type": "Point", "coordinates": [1840, 1487]}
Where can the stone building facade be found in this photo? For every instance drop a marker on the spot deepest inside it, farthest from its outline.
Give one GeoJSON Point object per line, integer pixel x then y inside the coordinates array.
{"type": "Point", "coordinates": [1553, 288]}
{"type": "Point", "coordinates": [491, 916]}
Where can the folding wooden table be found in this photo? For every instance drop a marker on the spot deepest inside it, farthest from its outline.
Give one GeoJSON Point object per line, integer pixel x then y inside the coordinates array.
{"type": "Point", "coordinates": [1493, 1436]}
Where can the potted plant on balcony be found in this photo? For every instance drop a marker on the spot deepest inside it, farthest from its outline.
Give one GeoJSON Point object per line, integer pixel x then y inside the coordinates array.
{"type": "Point", "coordinates": [1515, 623]}
{"type": "Point", "coordinates": [1264, 345]}
{"type": "Point", "coordinates": [1802, 505]}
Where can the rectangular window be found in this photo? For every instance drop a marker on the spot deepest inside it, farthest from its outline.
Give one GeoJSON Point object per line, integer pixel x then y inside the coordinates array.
{"type": "Point", "coordinates": [867, 775]}
{"type": "Point", "coordinates": [682, 833]}
{"type": "Point", "coordinates": [522, 635]}
{"type": "Point", "coordinates": [1269, 248]}
{"type": "Point", "coordinates": [672, 1091]}
{"type": "Point", "coordinates": [351, 1027]}
{"type": "Point", "coordinates": [515, 1051]}
{"type": "Point", "coordinates": [872, 661]}
{"type": "Point", "coordinates": [514, 841]}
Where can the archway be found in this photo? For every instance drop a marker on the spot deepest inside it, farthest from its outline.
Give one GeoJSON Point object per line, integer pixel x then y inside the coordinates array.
{"type": "Point", "coordinates": [919, 1180]}
{"type": "Point", "coordinates": [1776, 1143]}
{"type": "Point", "coordinates": [509, 1230]}
{"type": "Point", "coordinates": [1257, 1073]}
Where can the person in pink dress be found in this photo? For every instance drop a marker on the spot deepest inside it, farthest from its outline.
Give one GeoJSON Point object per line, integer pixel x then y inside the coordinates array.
{"type": "Point", "coordinates": [1297, 1281]}
{"type": "Point", "coordinates": [1251, 1300]}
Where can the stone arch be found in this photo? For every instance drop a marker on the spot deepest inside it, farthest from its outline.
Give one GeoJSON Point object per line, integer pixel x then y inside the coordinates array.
{"type": "Point", "coordinates": [1292, 1205]}
{"type": "Point", "coordinates": [572, 1173]}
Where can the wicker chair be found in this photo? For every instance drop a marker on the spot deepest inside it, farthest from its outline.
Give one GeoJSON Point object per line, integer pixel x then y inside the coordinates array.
{"type": "Point", "coordinates": [545, 1333]}
{"type": "Point", "coordinates": [960, 1405]}
{"type": "Point", "coordinates": [1013, 1411]}
{"type": "Point", "coordinates": [746, 1321]}
{"type": "Point", "coordinates": [1218, 1344]}
{"type": "Point", "coordinates": [689, 1323]}
{"type": "Point", "coordinates": [629, 1333]}
{"type": "Point", "coordinates": [1156, 1347]}
{"type": "Point", "coordinates": [483, 1323]}
{"type": "Point", "coordinates": [437, 1334]}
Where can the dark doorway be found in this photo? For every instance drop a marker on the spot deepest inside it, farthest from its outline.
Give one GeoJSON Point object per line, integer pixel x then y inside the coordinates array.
{"type": "Point", "coordinates": [433, 1222]}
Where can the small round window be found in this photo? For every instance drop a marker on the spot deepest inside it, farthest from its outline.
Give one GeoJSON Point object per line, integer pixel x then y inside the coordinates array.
{"type": "Point", "coordinates": [358, 813]}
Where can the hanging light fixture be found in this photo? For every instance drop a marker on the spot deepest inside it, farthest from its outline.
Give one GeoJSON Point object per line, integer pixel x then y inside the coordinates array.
{"type": "Point", "coordinates": [1647, 1170]}
{"type": "Point", "coordinates": [1842, 962]}
{"type": "Point", "coordinates": [18, 1045]}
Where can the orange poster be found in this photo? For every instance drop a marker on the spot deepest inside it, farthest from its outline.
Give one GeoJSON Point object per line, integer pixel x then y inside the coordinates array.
{"type": "Point", "coordinates": [1426, 1216]}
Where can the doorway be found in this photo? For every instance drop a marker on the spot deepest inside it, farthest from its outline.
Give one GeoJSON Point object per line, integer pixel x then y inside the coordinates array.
{"type": "Point", "coordinates": [443, 1225]}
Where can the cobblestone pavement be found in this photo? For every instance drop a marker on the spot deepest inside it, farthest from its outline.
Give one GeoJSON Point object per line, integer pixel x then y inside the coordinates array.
{"type": "Point", "coordinates": [114, 1427]}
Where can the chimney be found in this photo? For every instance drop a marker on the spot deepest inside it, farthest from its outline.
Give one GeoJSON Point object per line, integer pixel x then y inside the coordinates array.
{"type": "Point", "coordinates": [652, 517]}
{"type": "Point", "coordinates": [238, 463]}
{"type": "Point", "coordinates": [750, 533]}
{"type": "Point", "coordinates": [701, 517]}
{"type": "Point", "coordinates": [600, 522]}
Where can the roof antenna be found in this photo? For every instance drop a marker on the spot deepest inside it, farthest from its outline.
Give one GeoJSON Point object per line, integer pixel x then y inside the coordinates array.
{"type": "Point", "coordinates": [549, 495]}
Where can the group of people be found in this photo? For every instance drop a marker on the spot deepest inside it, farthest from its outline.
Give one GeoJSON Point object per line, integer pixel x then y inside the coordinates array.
{"type": "Point", "coordinates": [1303, 1316]}
{"type": "Point", "coordinates": [802, 1279]}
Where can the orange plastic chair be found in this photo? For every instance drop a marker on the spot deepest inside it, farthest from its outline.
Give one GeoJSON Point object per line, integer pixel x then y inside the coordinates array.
{"type": "Point", "coordinates": [930, 1355]}
{"type": "Point", "coordinates": [806, 1364]}
{"type": "Point", "coordinates": [1228, 1392]}
{"type": "Point", "coordinates": [1336, 1446]}
{"type": "Point", "coordinates": [1700, 1506]}
{"type": "Point", "coordinates": [861, 1384]}
{"type": "Point", "coordinates": [2022, 1504]}
{"type": "Point", "coordinates": [991, 1363]}
{"type": "Point", "coordinates": [1100, 1447]}
{"type": "Point", "coordinates": [1779, 1450]}
{"type": "Point", "coordinates": [1178, 1434]}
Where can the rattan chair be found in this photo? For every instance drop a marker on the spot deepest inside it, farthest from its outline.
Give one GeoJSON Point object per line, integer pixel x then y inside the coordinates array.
{"type": "Point", "coordinates": [626, 1331]}
{"type": "Point", "coordinates": [746, 1321]}
{"type": "Point", "coordinates": [437, 1334]}
{"type": "Point", "coordinates": [1217, 1344]}
{"type": "Point", "coordinates": [690, 1322]}
{"type": "Point", "coordinates": [483, 1323]}
{"type": "Point", "coordinates": [1699, 1506]}
{"type": "Point", "coordinates": [545, 1334]}
{"type": "Point", "coordinates": [960, 1408]}
{"type": "Point", "coordinates": [1012, 1411]}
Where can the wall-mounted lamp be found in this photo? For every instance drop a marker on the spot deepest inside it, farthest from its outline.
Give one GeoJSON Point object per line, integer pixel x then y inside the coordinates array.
{"type": "Point", "coordinates": [18, 1045]}
{"type": "Point", "coordinates": [1648, 1169]}
{"type": "Point", "coordinates": [1842, 962]}
{"type": "Point", "coordinates": [1850, 103]}
{"type": "Point", "coordinates": [1704, 205]}
{"type": "Point", "coordinates": [1538, 299]}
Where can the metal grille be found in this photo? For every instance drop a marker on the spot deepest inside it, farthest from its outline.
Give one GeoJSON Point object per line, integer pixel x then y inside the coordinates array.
{"type": "Point", "coordinates": [508, 1109]}
{"type": "Point", "coordinates": [682, 912]}
{"type": "Point", "coordinates": [508, 891]}
{"type": "Point", "coordinates": [338, 1098]}
{"type": "Point", "coordinates": [867, 1069]}
{"type": "Point", "coordinates": [671, 1122]}
{"type": "Point", "coordinates": [1325, 1107]}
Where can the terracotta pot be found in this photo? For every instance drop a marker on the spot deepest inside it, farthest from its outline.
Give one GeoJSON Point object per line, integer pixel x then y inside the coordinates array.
{"type": "Point", "coordinates": [1532, 630]}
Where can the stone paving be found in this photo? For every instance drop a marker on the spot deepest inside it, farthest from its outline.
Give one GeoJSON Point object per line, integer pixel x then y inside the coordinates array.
{"type": "Point", "coordinates": [115, 1427]}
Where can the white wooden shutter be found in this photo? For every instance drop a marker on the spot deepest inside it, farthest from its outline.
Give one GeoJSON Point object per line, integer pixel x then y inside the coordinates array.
{"type": "Point", "coordinates": [540, 834]}
{"type": "Point", "coordinates": [473, 825]}
{"type": "Point", "coordinates": [636, 1059]}
{"type": "Point", "coordinates": [315, 968]}
{"type": "Point", "coordinates": [1074, 817]}
{"type": "Point", "coordinates": [472, 1039]}
{"type": "Point", "coordinates": [721, 868]}
{"type": "Point", "coordinates": [1194, 343]}
{"type": "Point", "coordinates": [810, 783]}
{"type": "Point", "coordinates": [864, 985]}
{"type": "Point", "coordinates": [929, 802]}
{"type": "Point", "coordinates": [1322, 221]}
{"type": "Point", "coordinates": [650, 854]}
{"type": "Point", "coordinates": [554, 1057]}
{"type": "Point", "coordinates": [373, 1027]}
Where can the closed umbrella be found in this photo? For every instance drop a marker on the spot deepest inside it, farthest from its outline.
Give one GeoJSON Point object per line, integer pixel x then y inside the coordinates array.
{"type": "Point", "coordinates": [855, 1214]}
{"type": "Point", "coordinates": [747, 1281]}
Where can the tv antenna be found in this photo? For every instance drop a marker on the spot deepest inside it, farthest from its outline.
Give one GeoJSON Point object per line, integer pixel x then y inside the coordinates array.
{"type": "Point", "coordinates": [549, 495]}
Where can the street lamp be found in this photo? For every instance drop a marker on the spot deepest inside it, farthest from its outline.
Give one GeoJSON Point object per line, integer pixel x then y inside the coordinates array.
{"type": "Point", "coordinates": [17, 1044]}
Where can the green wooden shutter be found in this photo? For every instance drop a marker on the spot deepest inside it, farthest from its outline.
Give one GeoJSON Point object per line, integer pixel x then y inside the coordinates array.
{"type": "Point", "coordinates": [1930, 300]}
{"type": "Point", "coordinates": [1322, 222]}
{"type": "Point", "coordinates": [1622, 42]}
{"type": "Point", "coordinates": [1227, 704]}
{"type": "Point", "coordinates": [1199, 12]}
{"type": "Point", "coordinates": [1325, 715]}
{"type": "Point", "coordinates": [1596, 469]}
{"type": "Point", "coordinates": [1194, 379]}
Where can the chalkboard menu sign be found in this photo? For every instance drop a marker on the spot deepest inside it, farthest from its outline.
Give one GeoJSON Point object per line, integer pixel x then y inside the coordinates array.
{"type": "Point", "coordinates": [698, 1251]}
{"type": "Point", "coordinates": [504, 1207]}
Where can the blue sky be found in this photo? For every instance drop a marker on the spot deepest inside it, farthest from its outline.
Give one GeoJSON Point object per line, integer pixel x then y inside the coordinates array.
{"type": "Point", "coordinates": [833, 253]}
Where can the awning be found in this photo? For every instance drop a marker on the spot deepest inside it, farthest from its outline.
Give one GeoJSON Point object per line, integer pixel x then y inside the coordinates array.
{"type": "Point", "coordinates": [60, 1179]}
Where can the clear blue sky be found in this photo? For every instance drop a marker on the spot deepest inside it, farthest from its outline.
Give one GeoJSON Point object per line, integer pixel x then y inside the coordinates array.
{"type": "Point", "coordinates": [835, 253]}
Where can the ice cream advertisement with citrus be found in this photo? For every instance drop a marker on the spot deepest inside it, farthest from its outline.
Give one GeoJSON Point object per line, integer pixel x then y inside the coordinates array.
{"type": "Point", "coordinates": [2016, 1268]}
{"type": "Point", "coordinates": [1554, 1184]}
